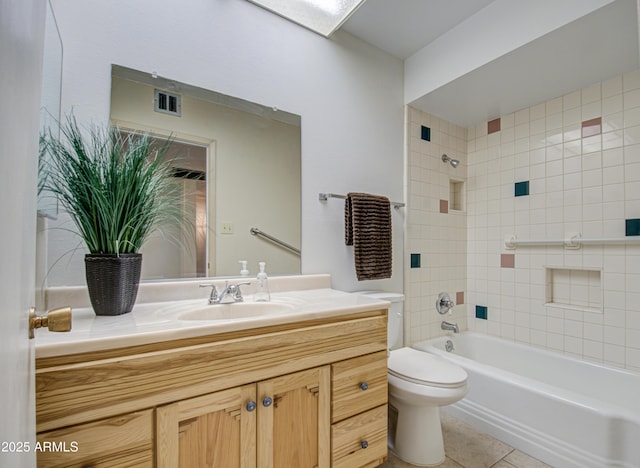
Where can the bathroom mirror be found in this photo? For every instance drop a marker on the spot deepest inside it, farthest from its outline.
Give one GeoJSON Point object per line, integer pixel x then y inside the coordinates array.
{"type": "Point", "coordinates": [50, 100]}
{"type": "Point", "coordinates": [239, 164]}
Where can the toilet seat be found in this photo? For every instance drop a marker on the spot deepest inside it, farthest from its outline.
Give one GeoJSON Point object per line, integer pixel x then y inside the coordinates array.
{"type": "Point", "coordinates": [423, 368]}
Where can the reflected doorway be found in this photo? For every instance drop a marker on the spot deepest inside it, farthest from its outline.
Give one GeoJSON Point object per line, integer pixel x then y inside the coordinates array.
{"type": "Point", "coordinates": [182, 251]}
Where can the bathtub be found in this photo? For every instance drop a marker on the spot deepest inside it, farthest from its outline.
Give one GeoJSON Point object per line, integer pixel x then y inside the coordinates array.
{"type": "Point", "coordinates": [561, 410]}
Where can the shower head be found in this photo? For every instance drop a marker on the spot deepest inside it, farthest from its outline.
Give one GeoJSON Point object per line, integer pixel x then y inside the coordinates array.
{"type": "Point", "coordinates": [454, 162]}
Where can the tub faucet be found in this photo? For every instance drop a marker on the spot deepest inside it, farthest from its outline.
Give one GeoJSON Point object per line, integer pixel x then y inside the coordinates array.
{"type": "Point", "coordinates": [449, 326]}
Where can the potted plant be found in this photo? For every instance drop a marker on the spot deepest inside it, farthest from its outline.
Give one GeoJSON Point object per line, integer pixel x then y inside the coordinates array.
{"type": "Point", "coordinates": [118, 189]}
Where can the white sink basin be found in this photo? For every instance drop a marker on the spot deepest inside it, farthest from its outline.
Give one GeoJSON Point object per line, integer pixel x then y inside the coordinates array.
{"type": "Point", "coordinates": [237, 310]}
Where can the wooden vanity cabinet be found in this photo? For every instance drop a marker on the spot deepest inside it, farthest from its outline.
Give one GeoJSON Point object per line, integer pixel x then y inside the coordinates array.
{"type": "Point", "coordinates": [190, 402]}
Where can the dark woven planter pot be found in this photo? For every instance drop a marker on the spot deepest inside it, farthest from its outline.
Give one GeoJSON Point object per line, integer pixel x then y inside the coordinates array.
{"type": "Point", "coordinates": [113, 281]}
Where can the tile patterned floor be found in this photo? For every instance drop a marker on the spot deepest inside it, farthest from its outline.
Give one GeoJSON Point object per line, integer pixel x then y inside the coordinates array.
{"type": "Point", "coordinates": [465, 447]}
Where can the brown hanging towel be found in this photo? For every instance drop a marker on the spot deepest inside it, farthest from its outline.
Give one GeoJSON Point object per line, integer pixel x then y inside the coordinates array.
{"type": "Point", "coordinates": [367, 221]}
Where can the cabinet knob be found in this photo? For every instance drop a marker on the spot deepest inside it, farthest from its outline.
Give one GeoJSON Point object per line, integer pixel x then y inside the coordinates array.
{"type": "Point", "coordinates": [364, 444]}
{"type": "Point", "coordinates": [364, 386]}
{"type": "Point", "coordinates": [267, 401]}
{"type": "Point", "coordinates": [251, 406]}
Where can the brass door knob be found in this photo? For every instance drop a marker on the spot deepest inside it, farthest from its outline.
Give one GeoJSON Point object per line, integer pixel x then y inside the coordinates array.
{"type": "Point", "coordinates": [56, 320]}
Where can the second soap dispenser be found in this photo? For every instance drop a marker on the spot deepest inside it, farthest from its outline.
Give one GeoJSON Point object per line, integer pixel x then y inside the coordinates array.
{"type": "Point", "coordinates": [262, 285]}
{"type": "Point", "coordinates": [243, 268]}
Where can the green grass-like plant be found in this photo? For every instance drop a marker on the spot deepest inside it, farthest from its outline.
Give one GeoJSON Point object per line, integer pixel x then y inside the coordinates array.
{"type": "Point", "coordinates": [117, 187]}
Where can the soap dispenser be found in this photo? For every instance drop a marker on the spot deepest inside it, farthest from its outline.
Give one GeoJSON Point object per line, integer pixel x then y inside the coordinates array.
{"type": "Point", "coordinates": [243, 268]}
{"type": "Point", "coordinates": [262, 285]}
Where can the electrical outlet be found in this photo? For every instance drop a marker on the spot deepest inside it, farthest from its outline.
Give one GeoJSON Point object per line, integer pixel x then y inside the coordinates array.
{"type": "Point", "coordinates": [227, 228]}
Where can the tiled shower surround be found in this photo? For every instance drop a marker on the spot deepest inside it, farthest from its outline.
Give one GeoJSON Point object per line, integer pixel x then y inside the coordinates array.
{"type": "Point", "coordinates": [580, 156]}
{"type": "Point", "coordinates": [435, 229]}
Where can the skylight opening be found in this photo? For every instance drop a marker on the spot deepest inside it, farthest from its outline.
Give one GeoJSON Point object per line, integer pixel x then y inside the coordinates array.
{"type": "Point", "coordinates": [321, 16]}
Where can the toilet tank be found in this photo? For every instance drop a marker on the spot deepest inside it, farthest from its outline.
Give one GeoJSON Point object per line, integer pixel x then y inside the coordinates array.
{"type": "Point", "coordinates": [395, 325]}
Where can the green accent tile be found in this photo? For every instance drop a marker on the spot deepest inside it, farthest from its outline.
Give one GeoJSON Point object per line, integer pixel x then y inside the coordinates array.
{"type": "Point", "coordinates": [632, 227]}
{"type": "Point", "coordinates": [425, 133]}
{"type": "Point", "coordinates": [522, 188]}
{"type": "Point", "coordinates": [415, 260]}
{"type": "Point", "coordinates": [481, 312]}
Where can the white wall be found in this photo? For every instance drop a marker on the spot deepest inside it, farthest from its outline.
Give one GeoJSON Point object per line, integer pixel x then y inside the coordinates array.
{"type": "Point", "coordinates": [348, 93]}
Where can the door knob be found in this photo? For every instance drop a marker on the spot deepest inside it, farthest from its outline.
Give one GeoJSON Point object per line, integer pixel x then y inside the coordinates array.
{"type": "Point", "coordinates": [56, 320]}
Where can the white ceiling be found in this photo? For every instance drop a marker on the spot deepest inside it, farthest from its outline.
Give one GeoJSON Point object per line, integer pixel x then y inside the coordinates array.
{"type": "Point", "coordinates": [402, 27]}
{"type": "Point", "coordinates": [594, 48]}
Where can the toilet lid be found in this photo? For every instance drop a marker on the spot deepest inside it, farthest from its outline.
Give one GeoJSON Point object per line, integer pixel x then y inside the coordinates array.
{"type": "Point", "coordinates": [424, 368]}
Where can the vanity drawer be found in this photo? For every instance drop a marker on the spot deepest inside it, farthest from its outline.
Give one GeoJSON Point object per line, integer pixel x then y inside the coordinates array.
{"type": "Point", "coordinates": [121, 441]}
{"type": "Point", "coordinates": [358, 384]}
{"type": "Point", "coordinates": [360, 440]}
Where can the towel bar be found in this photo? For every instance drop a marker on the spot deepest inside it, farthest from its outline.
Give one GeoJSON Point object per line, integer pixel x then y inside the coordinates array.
{"type": "Point", "coordinates": [325, 196]}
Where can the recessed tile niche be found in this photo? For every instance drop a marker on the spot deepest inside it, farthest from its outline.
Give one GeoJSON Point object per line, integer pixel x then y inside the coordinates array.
{"type": "Point", "coordinates": [572, 288]}
{"type": "Point", "coordinates": [456, 195]}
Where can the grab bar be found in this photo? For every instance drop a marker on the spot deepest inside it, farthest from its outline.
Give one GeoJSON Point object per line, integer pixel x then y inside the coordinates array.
{"type": "Point", "coordinates": [284, 245]}
{"type": "Point", "coordinates": [572, 241]}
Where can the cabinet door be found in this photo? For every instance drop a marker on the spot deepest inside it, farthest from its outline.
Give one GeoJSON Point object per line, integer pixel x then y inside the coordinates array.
{"type": "Point", "coordinates": [214, 431]}
{"type": "Point", "coordinates": [294, 421]}
{"type": "Point", "coordinates": [120, 441]}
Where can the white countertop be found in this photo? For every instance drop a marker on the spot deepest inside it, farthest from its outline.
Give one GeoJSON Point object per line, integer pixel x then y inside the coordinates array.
{"type": "Point", "coordinates": [154, 322]}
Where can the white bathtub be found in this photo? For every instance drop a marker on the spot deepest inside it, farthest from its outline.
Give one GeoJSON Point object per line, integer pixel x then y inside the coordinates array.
{"type": "Point", "coordinates": [564, 411]}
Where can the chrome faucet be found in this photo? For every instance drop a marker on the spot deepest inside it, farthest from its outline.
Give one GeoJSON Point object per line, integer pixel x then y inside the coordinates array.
{"type": "Point", "coordinates": [444, 303]}
{"type": "Point", "coordinates": [449, 326]}
{"type": "Point", "coordinates": [230, 294]}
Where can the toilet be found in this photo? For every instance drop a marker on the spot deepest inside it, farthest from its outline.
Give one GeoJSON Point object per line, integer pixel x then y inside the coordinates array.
{"type": "Point", "coordinates": [419, 383]}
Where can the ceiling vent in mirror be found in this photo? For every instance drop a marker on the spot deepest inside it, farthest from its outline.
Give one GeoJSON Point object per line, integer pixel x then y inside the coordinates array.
{"type": "Point", "coordinates": [167, 103]}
